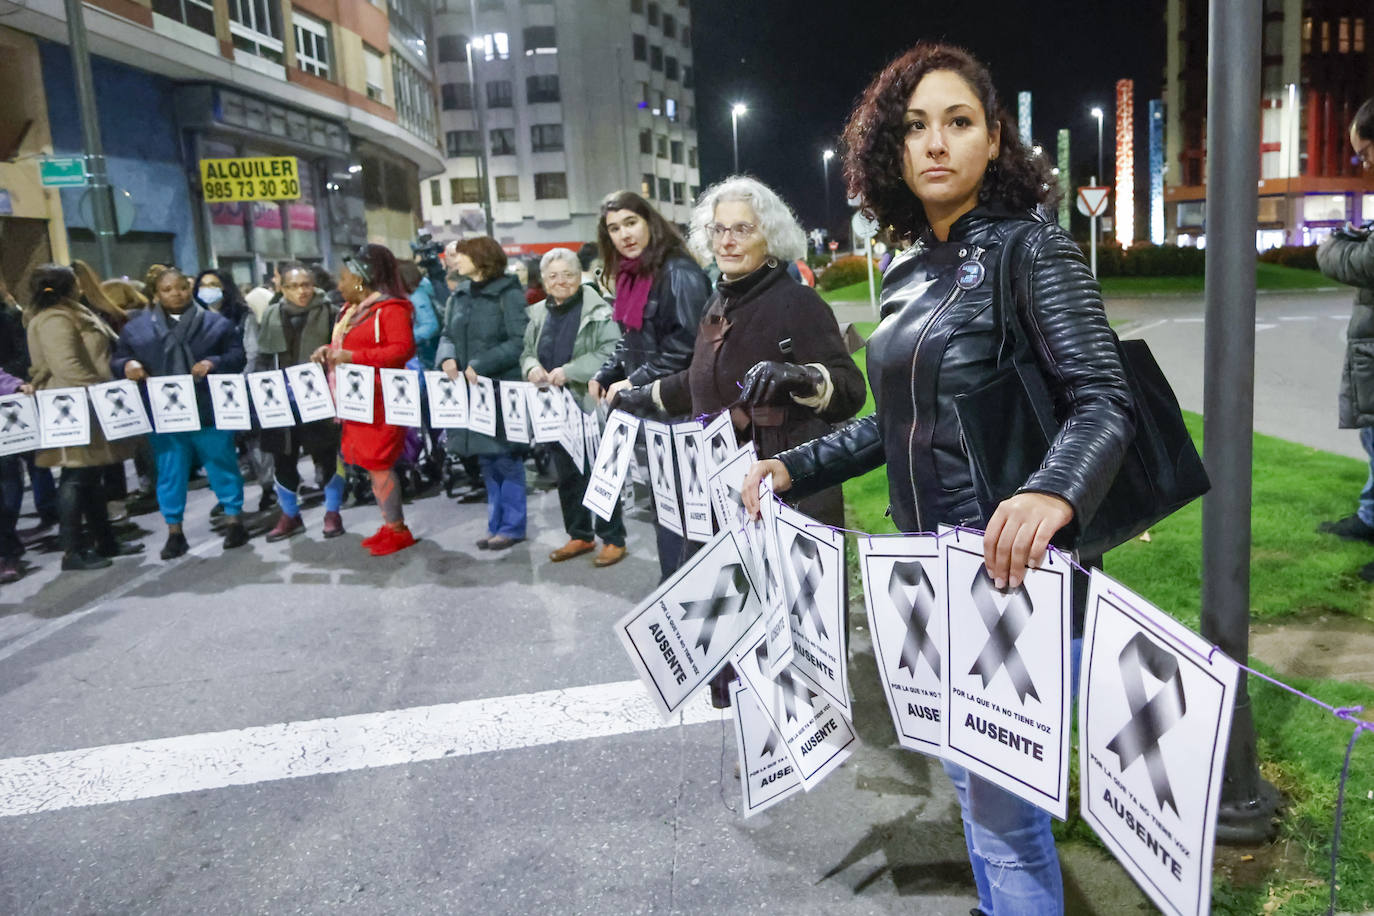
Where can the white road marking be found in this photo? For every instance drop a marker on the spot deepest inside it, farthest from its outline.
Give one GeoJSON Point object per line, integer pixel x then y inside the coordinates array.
{"type": "Point", "coordinates": [1198, 320]}
{"type": "Point", "coordinates": [1137, 332]}
{"type": "Point", "coordinates": [192, 763]}
{"type": "Point", "coordinates": [1297, 317]}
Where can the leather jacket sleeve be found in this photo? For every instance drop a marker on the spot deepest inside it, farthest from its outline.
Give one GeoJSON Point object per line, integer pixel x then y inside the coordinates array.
{"type": "Point", "coordinates": [682, 292]}
{"type": "Point", "coordinates": [849, 451]}
{"type": "Point", "coordinates": [1082, 364]}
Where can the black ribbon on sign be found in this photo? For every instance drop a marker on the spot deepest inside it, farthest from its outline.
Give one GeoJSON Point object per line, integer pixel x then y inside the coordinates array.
{"type": "Point", "coordinates": [546, 408]}
{"type": "Point", "coordinates": [269, 391]}
{"type": "Point", "coordinates": [172, 392]}
{"type": "Point", "coordinates": [728, 597]}
{"type": "Point", "coordinates": [693, 451]}
{"type": "Point", "coordinates": [661, 456]}
{"type": "Point", "coordinates": [355, 385]}
{"type": "Point", "coordinates": [119, 407]}
{"type": "Point", "coordinates": [806, 564]}
{"type": "Point", "coordinates": [909, 577]}
{"type": "Point", "coordinates": [228, 393]}
{"type": "Point", "coordinates": [770, 744]}
{"type": "Point", "coordinates": [446, 389]}
{"type": "Point", "coordinates": [513, 402]}
{"type": "Point", "coordinates": [400, 389]}
{"type": "Point", "coordinates": [481, 397]}
{"type": "Point", "coordinates": [719, 450]}
{"type": "Point", "coordinates": [13, 415]}
{"type": "Point", "coordinates": [65, 405]}
{"type": "Point", "coordinates": [791, 688]}
{"type": "Point", "coordinates": [308, 382]}
{"type": "Point", "coordinates": [1149, 720]}
{"type": "Point", "coordinates": [1003, 630]}
{"type": "Point", "coordinates": [613, 448]}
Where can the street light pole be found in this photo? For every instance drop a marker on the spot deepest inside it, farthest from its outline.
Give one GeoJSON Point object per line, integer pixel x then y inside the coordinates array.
{"type": "Point", "coordinates": [102, 202]}
{"type": "Point", "coordinates": [1097, 223]}
{"type": "Point", "coordinates": [484, 183]}
{"type": "Point", "coordinates": [825, 168]}
{"type": "Point", "coordinates": [735, 111]}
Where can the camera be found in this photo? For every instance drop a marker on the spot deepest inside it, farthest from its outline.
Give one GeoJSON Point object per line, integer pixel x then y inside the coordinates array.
{"type": "Point", "coordinates": [429, 255]}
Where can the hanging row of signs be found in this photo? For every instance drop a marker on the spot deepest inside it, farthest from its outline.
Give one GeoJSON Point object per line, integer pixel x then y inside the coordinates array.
{"type": "Point", "coordinates": [972, 674]}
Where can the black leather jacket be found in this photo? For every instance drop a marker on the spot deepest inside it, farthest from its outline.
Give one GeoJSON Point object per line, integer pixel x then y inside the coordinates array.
{"type": "Point", "coordinates": [671, 316]}
{"type": "Point", "coordinates": [938, 338]}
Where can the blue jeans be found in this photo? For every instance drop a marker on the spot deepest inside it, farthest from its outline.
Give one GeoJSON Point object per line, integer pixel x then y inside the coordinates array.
{"type": "Point", "coordinates": [1010, 845]}
{"type": "Point", "coordinates": [504, 476]}
{"type": "Point", "coordinates": [1366, 509]}
{"type": "Point", "coordinates": [214, 450]}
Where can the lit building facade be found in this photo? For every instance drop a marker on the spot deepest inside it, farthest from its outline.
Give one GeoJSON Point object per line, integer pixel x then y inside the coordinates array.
{"type": "Point", "coordinates": [577, 98]}
{"type": "Point", "coordinates": [344, 86]}
{"type": "Point", "coordinates": [1317, 64]}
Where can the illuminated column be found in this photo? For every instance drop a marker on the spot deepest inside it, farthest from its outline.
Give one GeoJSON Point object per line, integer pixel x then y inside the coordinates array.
{"type": "Point", "coordinates": [1023, 117]}
{"type": "Point", "coordinates": [1124, 209]}
{"type": "Point", "coordinates": [1157, 171]}
{"type": "Point", "coordinates": [1065, 185]}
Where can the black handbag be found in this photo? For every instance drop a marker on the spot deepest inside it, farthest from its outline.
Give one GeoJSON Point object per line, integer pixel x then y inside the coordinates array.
{"type": "Point", "coordinates": [1008, 424]}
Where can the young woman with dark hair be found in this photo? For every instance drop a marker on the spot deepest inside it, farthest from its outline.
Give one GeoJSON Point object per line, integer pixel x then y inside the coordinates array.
{"type": "Point", "coordinates": [660, 293]}
{"type": "Point", "coordinates": [937, 162]}
{"type": "Point", "coordinates": [69, 346]}
{"type": "Point", "coordinates": [374, 329]}
{"type": "Point", "coordinates": [216, 291]}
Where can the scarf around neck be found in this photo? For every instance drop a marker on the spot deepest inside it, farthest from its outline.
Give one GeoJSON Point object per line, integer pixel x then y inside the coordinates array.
{"type": "Point", "coordinates": [631, 293]}
{"type": "Point", "coordinates": [352, 316]}
{"type": "Point", "coordinates": [177, 334]}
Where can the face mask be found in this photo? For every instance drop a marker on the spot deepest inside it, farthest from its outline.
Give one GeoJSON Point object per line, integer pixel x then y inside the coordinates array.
{"type": "Point", "coordinates": [210, 295]}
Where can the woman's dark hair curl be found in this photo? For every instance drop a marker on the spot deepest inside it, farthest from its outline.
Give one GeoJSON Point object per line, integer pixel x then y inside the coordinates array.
{"type": "Point", "coordinates": [50, 284]}
{"type": "Point", "coordinates": [664, 239]}
{"type": "Point", "coordinates": [874, 141]}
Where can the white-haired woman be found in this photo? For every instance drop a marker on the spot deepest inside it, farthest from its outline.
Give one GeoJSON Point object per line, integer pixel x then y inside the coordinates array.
{"type": "Point", "coordinates": [571, 333]}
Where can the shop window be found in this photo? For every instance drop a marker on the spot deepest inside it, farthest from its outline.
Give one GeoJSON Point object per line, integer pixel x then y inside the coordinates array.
{"type": "Point", "coordinates": [498, 94]}
{"type": "Point", "coordinates": [646, 142]}
{"type": "Point", "coordinates": [436, 193]}
{"type": "Point", "coordinates": [550, 186]}
{"type": "Point", "coordinates": [453, 49]}
{"type": "Point", "coordinates": [255, 26]}
{"type": "Point", "coordinates": [540, 39]}
{"type": "Point", "coordinates": [541, 89]}
{"type": "Point", "coordinates": [312, 44]}
{"type": "Point", "coordinates": [462, 143]}
{"type": "Point", "coordinates": [465, 190]}
{"type": "Point", "coordinates": [503, 141]}
{"type": "Point", "coordinates": [546, 138]}
{"type": "Point", "coordinates": [641, 47]}
{"type": "Point", "coordinates": [198, 14]}
{"type": "Point", "coordinates": [374, 66]}
{"type": "Point", "coordinates": [508, 189]}
{"type": "Point", "coordinates": [456, 96]}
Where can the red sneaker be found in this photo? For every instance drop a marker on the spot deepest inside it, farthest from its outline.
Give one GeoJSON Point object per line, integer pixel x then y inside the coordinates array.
{"type": "Point", "coordinates": [376, 537]}
{"type": "Point", "coordinates": [395, 539]}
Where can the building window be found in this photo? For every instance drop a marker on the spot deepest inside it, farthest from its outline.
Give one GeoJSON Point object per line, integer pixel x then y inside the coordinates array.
{"type": "Point", "coordinates": [670, 67]}
{"type": "Point", "coordinates": [546, 138]}
{"type": "Point", "coordinates": [436, 193]}
{"type": "Point", "coordinates": [541, 89]}
{"type": "Point", "coordinates": [691, 117]}
{"type": "Point", "coordinates": [692, 157]}
{"type": "Point", "coordinates": [646, 186]}
{"type": "Point", "coordinates": [1326, 38]}
{"type": "Point", "coordinates": [198, 14]}
{"type": "Point", "coordinates": [508, 189]}
{"type": "Point", "coordinates": [453, 49]}
{"type": "Point", "coordinates": [1307, 35]}
{"type": "Point", "coordinates": [686, 77]}
{"type": "Point", "coordinates": [637, 6]}
{"type": "Point", "coordinates": [374, 65]}
{"type": "Point", "coordinates": [550, 186]}
{"type": "Point", "coordinates": [414, 99]}
{"type": "Point", "coordinates": [494, 45]}
{"type": "Point", "coordinates": [646, 142]}
{"type": "Point", "coordinates": [669, 26]}
{"type": "Point", "coordinates": [676, 155]}
{"type": "Point", "coordinates": [670, 109]}
{"type": "Point", "coordinates": [312, 44]}
{"type": "Point", "coordinates": [656, 105]}
{"type": "Point", "coordinates": [653, 14]}
{"type": "Point", "coordinates": [256, 28]}
{"type": "Point", "coordinates": [409, 21]}
{"type": "Point", "coordinates": [461, 143]}
{"type": "Point", "coordinates": [503, 141]}
{"type": "Point", "coordinates": [665, 190]}
{"type": "Point", "coordinates": [540, 39]}
{"type": "Point", "coordinates": [661, 147]}
{"type": "Point", "coordinates": [456, 96]}
{"type": "Point", "coordinates": [1359, 36]}
{"type": "Point", "coordinates": [1343, 35]}
{"type": "Point", "coordinates": [679, 192]}
{"type": "Point", "coordinates": [643, 94]}
{"type": "Point", "coordinates": [641, 47]}
{"type": "Point", "coordinates": [695, 191]}
{"type": "Point", "coordinates": [686, 36]}
{"type": "Point", "coordinates": [498, 94]}
{"type": "Point", "coordinates": [465, 190]}
{"type": "Point", "coordinates": [655, 57]}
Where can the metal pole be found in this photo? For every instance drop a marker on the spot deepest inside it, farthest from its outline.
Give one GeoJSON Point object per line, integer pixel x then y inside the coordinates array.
{"type": "Point", "coordinates": [102, 203]}
{"type": "Point", "coordinates": [483, 181]}
{"type": "Point", "coordinates": [825, 169]}
{"type": "Point", "coordinates": [1233, 104]}
{"type": "Point", "coordinates": [1092, 245]}
{"type": "Point", "coordinates": [734, 134]}
{"type": "Point", "coordinates": [872, 287]}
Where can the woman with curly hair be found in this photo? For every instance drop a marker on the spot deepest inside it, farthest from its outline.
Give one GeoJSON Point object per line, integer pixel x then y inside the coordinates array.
{"type": "Point", "coordinates": [936, 160]}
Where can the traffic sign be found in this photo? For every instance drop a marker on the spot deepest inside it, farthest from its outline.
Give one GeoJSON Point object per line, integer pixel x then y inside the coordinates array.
{"type": "Point", "coordinates": [69, 172]}
{"type": "Point", "coordinates": [1092, 201]}
{"type": "Point", "coordinates": [834, 246]}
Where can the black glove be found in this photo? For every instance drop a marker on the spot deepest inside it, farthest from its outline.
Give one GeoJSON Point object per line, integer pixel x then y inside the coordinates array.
{"type": "Point", "coordinates": [772, 382]}
{"type": "Point", "coordinates": [638, 402]}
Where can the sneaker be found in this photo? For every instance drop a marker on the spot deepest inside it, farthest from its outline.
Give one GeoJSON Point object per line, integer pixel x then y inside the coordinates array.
{"type": "Point", "coordinates": [574, 548]}
{"type": "Point", "coordinates": [484, 543]}
{"type": "Point", "coordinates": [267, 501]}
{"type": "Point", "coordinates": [11, 570]}
{"type": "Point", "coordinates": [609, 555]}
{"type": "Point", "coordinates": [118, 548]}
{"type": "Point", "coordinates": [176, 546]}
{"type": "Point", "coordinates": [1350, 528]}
{"type": "Point", "coordinates": [218, 511]}
{"type": "Point", "coordinates": [287, 526]}
{"type": "Point", "coordinates": [375, 537]}
{"type": "Point", "coordinates": [84, 559]}
{"type": "Point", "coordinates": [235, 536]}
{"type": "Point", "coordinates": [333, 524]}
{"type": "Point", "coordinates": [116, 512]}
{"type": "Point", "coordinates": [501, 542]}
{"type": "Point", "coordinates": [393, 540]}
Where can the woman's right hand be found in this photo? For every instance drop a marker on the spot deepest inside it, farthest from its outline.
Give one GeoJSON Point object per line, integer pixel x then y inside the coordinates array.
{"type": "Point", "coordinates": [769, 467]}
{"type": "Point", "coordinates": [538, 377]}
{"type": "Point", "coordinates": [594, 389]}
{"type": "Point", "coordinates": [320, 355]}
{"type": "Point", "coordinates": [450, 368]}
{"type": "Point", "coordinates": [134, 371]}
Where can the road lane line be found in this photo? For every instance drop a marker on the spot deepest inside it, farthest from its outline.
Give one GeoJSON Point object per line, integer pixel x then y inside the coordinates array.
{"type": "Point", "coordinates": [1136, 332]}
{"type": "Point", "coordinates": [191, 763]}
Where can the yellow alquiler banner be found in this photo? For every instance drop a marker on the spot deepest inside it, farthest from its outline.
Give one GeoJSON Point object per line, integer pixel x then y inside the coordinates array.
{"type": "Point", "coordinates": [250, 178]}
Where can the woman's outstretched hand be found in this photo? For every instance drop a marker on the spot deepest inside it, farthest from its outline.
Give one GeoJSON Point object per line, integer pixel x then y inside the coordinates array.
{"type": "Point", "coordinates": [769, 467]}
{"type": "Point", "coordinates": [1018, 534]}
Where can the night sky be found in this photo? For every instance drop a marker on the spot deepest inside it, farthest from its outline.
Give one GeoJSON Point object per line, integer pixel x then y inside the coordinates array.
{"type": "Point", "coordinates": [800, 65]}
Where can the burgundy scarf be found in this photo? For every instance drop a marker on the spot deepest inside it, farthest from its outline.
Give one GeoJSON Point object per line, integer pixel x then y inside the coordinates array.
{"type": "Point", "coordinates": [631, 294]}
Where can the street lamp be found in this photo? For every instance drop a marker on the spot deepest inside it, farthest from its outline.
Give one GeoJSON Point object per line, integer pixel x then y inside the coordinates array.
{"type": "Point", "coordinates": [1097, 113]}
{"type": "Point", "coordinates": [825, 168]}
{"type": "Point", "coordinates": [736, 110]}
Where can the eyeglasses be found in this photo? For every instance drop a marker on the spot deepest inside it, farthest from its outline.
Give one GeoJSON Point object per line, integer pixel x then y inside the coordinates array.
{"type": "Point", "coordinates": [563, 276]}
{"type": "Point", "coordinates": [739, 231]}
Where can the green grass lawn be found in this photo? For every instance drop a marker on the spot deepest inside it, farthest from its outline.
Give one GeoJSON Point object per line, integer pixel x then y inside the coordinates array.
{"type": "Point", "coordinates": [854, 292]}
{"type": "Point", "coordinates": [1294, 572]}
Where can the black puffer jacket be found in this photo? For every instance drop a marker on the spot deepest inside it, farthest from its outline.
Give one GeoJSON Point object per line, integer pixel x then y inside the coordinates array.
{"type": "Point", "coordinates": [1348, 257]}
{"type": "Point", "coordinates": [671, 316]}
{"type": "Point", "coordinates": [938, 338]}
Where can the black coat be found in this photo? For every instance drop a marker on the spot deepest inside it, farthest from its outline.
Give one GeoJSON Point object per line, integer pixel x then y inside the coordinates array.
{"type": "Point", "coordinates": [938, 339]}
{"type": "Point", "coordinates": [216, 340]}
{"type": "Point", "coordinates": [664, 344]}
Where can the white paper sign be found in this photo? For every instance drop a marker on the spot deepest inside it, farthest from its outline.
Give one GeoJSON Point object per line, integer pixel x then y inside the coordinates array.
{"type": "Point", "coordinates": [683, 634]}
{"type": "Point", "coordinates": [591, 431]}
{"type": "Point", "coordinates": [118, 405]}
{"type": "Point", "coordinates": [572, 436]}
{"type": "Point", "coordinates": [63, 416]}
{"type": "Point", "coordinates": [354, 391]}
{"type": "Point", "coordinates": [612, 462]}
{"type": "Point", "coordinates": [514, 416]}
{"type": "Point", "coordinates": [902, 593]}
{"type": "Point", "coordinates": [448, 400]}
{"type": "Point", "coordinates": [1007, 683]}
{"type": "Point", "coordinates": [721, 444]}
{"type": "Point", "coordinates": [777, 625]}
{"type": "Point", "coordinates": [19, 429]}
{"type": "Point", "coordinates": [816, 734]}
{"type": "Point", "coordinates": [311, 391]}
{"type": "Point", "coordinates": [401, 396]}
{"type": "Point", "coordinates": [545, 413]}
{"type": "Point", "coordinates": [694, 475]}
{"type": "Point", "coordinates": [658, 441]}
{"type": "Point", "coordinates": [1154, 718]}
{"type": "Point", "coordinates": [229, 401]}
{"type": "Point", "coordinates": [270, 398]}
{"type": "Point", "coordinates": [766, 772]}
{"type": "Point", "coordinates": [482, 406]}
{"type": "Point", "coordinates": [813, 573]}
{"type": "Point", "coordinates": [727, 478]}
{"type": "Point", "coordinates": [173, 398]}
